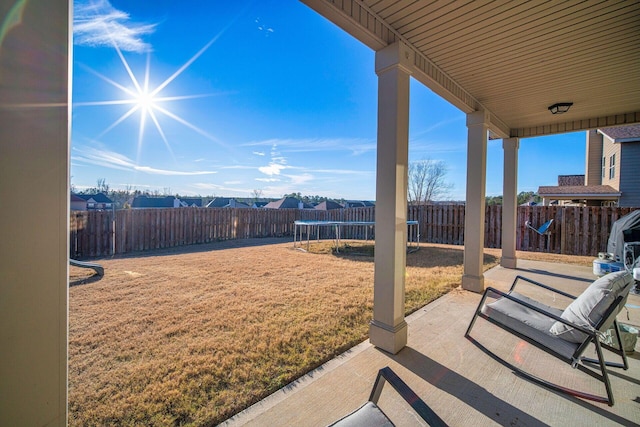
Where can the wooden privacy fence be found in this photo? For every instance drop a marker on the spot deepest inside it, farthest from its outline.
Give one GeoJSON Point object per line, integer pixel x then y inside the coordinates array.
{"type": "Point", "coordinates": [102, 233]}
{"type": "Point", "coordinates": [575, 230]}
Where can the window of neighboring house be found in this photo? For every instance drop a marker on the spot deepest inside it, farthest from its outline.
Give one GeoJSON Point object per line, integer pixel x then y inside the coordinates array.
{"type": "Point", "coordinates": [604, 166]}
{"type": "Point", "coordinates": [612, 166]}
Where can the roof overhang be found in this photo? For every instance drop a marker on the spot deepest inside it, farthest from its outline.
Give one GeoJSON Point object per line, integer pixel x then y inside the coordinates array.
{"type": "Point", "coordinates": [512, 60]}
{"type": "Point", "coordinates": [581, 196]}
{"type": "Point", "coordinates": [584, 192]}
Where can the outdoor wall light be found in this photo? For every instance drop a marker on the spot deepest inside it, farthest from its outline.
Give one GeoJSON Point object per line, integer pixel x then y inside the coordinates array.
{"type": "Point", "coordinates": [560, 107]}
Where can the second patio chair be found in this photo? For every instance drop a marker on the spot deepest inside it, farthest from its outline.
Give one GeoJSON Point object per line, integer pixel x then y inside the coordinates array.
{"type": "Point", "coordinates": [370, 415]}
{"type": "Point", "coordinates": [565, 334]}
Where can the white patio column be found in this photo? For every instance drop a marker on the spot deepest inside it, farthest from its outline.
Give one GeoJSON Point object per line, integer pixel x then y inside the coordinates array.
{"type": "Point", "coordinates": [34, 190]}
{"type": "Point", "coordinates": [388, 329]}
{"type": "Point", "coordinates": [509, 202]}
{"type": "Point", "coordinates": [477, 124]}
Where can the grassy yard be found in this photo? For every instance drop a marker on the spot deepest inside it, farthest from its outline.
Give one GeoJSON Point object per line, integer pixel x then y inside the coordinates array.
{"type": "Point", "coordinates": [191, 336]}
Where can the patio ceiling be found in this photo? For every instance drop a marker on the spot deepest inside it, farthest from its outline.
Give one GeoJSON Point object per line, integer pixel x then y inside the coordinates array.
{"type": "Point", "coordinates": [512, 58]}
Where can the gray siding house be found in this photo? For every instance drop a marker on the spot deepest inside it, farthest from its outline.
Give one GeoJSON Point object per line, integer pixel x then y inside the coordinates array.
{"type": "Point", "coordinates": [627, 140]}
{"type": "Point", "coordinates": [612, 171]}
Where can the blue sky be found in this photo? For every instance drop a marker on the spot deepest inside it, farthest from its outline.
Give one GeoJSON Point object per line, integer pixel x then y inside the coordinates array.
{"type": "Point", "coordinates": [254, 95]}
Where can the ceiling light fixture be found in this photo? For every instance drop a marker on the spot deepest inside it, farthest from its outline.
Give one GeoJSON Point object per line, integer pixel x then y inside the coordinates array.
{"type": "Point", "coordinates": [560, 107]}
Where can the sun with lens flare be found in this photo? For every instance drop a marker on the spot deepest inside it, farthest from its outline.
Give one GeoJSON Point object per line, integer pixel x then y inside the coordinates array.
{"type": "Point", "coordinates": [147, 101]}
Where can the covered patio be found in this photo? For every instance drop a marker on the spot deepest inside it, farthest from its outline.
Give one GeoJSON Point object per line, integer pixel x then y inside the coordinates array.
{"type": "Point", "coordinates": [505, 64]}
{"type": "Point", "coordinates": [460, 382]}
{"type": "Point", "coordinates": [517, 69]}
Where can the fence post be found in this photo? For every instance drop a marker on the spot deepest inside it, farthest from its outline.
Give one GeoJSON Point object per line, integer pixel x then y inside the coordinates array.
{"type": "Point", "coordinates": [563, 230]}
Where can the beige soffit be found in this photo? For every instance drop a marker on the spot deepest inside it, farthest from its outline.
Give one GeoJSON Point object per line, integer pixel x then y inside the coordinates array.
{"type": "Point", "coordinates": [513, 58]}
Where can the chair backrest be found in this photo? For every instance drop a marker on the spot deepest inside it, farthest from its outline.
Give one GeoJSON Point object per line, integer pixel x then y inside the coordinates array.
{"type": "Point", "coordinates": [596, 307]}
{"type": "Point", "coordinates": [544, 227]}
{"type": "Point", "coordinates": [616, 306]}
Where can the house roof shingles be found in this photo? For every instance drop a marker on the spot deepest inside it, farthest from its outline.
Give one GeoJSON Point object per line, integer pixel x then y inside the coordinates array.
{"type": "Point", "coordinates": [192, 201]}
{"type": "Point", "coordinates": [578, 191]}
{"type": "Point", "coordinates": [328, 205]}
{"type": "Point", "coordinates": [623, 133]}
{"type": "Point", "coordinates": [287, 203]}
{"type": "Point", "coordinates": [153, 202]}
{"type": "Point", "coordinates": [219, 202]}
{"type": "Point", "coordinates": [98, 198]}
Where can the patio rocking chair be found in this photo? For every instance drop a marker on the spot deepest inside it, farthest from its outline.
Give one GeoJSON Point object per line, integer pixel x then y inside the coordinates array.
{"type": "Point", "coordinates": [565, 334]}
{"type": "Point", "coordinates": [370, 415]}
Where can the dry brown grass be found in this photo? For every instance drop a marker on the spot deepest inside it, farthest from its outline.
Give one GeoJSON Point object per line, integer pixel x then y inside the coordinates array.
{"type": "Point", "coordinates": [192, 336]}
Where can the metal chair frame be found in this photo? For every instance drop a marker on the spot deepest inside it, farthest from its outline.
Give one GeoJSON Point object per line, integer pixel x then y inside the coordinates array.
{"type": "Point", "coordinates": [576, 361]}
{"type": "Point", "coordinates": [386, 375]}
{"type": "Point", "coordinates": [543, 230]}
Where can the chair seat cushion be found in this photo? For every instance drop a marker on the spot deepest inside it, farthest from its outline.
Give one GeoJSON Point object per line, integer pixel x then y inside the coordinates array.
{"type": "Point", "coordinates": [368, 414]}
{"type": "Point", "coordinates": [528, 322]}
{"type": "Point", "coordinates": [588, 309]}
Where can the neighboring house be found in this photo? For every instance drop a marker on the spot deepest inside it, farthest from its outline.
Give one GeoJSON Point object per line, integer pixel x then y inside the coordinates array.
{"type": "Point", "coordinates": [287, 203]}
{"type": "Point", "coordinates": [91, 202]}
{"type": "Point", "coordinates": [612, 171]}
{"type": "Point", "coordinates": [358, 204]}
{"type": "Point", "coordinates": [226, 202]}
{"type": "Point", "coordinates": [78, 203]}
{"type": "Point", "coordinates": [620, 162]}
{"type": "Point", "coordinates": [328, 205]}
{"type": "Point", "coordinates": [142, 202]}
{"type": "Point", "coordinates": [258, 204]}
{"type": "Point", "coordinates": [191, 202]}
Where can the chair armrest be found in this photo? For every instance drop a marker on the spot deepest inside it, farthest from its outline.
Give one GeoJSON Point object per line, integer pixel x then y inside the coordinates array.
{"type": "Point", "coordinates": [533, 282]}
{"type": "Point", "coordinates": [590, 333]}
{"type": "Point", "coordinates": [418, 405]}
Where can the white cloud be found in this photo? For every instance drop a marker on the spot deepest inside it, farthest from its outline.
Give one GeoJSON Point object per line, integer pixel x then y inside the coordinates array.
{"type": "Point", "coordinates": [113, 160]}
{"type": "Point", "coordinates": [272, 169]}
{"type": "Point", "coordinates": [258, 153]}
{"type": "Point", "coordinates": [238, 167]}
{"type": "Point", "coordinates": [97, 23]}
{"type": "Point", "coordinates": [356, 146]}
{"type": "Point", "coordinates": [262, 27]}
{"type": "Point", "coordinates": [431, 147]}
{"type": "Point", "coordinates": [203, 186]}
{"type": "Point", "coordinates": [300, 179]}
{"type": "Point", "coordinates": [440, 124]}
{"type": "Point", "coordinates": [267, 179]}
{"type": "Point", "coordinates": [206, 186]}
{"type": "Point", "coordinates": [277, 163]}
{"type": "Point", "coordinates": [154, 171]}
{"type": "Point", "coordinates": [342, 171]}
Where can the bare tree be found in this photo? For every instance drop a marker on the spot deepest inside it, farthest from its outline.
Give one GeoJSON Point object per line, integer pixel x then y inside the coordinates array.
{"type": "Point", "coordinates": [257, 195]}
{"type": "Point", "coordinates": [426, 181]}
{"type": "Point", "coordinates": [102, 186]}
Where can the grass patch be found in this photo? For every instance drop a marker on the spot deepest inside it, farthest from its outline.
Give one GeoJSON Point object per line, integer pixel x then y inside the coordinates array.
{"type": "Point", "coordinates": [191, 336]}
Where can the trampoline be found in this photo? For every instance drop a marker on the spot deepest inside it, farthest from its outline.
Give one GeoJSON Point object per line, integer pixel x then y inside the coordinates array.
{"type": "Point", "coordinates": [308, 226]}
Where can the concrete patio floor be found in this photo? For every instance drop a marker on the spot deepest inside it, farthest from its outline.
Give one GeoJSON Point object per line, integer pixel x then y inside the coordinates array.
{"type": "Point", "coordinates": [459, 381]}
